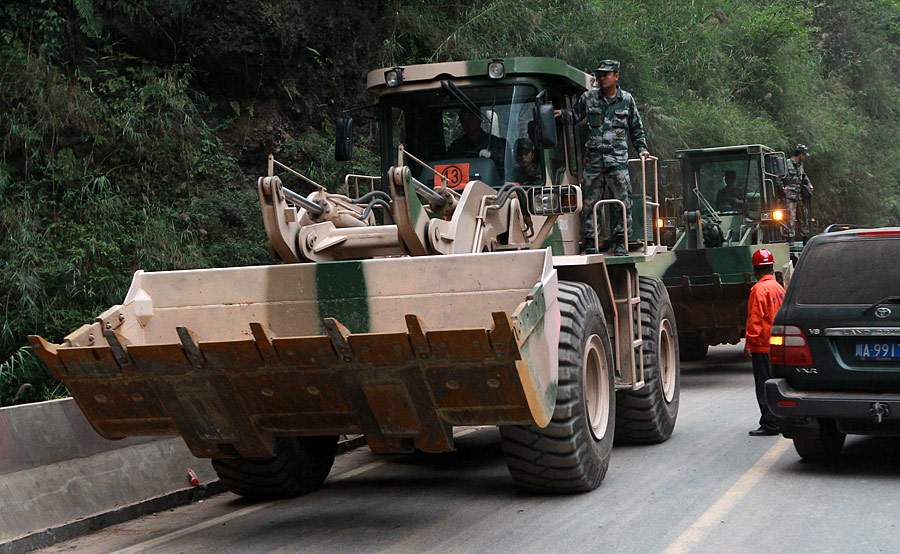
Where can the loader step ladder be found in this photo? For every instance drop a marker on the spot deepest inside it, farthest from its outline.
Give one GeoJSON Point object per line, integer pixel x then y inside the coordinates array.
{"type": "Point", "coordinates": [629, 344]}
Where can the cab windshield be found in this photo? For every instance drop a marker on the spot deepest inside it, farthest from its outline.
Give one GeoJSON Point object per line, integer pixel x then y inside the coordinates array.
{"type": "Point", "coordinates": [493, 141]}
{"type": "Point", "coordinates": [724, 184]}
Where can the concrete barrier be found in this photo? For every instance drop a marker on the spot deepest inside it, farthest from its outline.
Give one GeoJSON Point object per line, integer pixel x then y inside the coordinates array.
{"type": "Point", "coordinates": [59, 479]}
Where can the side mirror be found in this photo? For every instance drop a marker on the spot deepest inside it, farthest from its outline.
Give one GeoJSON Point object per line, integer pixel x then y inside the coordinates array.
{"type": "Point", "coordinates": [780, 169]}
{"type": "Point", "coordinates": [343, 143]}
{"type": "Point", "coordinates": [663, 173]}
{"type": "Point", "coordinates": [546, 121]}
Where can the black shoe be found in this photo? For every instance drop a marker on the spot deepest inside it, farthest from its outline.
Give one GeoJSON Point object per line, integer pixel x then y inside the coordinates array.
{"type": "Point", "coordinates": [588, 250]}
{"type": "Point", "coordinates": [620, 250]}
{"type": "Point", "coordinates": [764, 432]}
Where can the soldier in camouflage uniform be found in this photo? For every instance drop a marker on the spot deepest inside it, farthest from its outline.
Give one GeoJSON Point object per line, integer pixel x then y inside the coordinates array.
{"type": "Point", "coordinates": [526, 172]}
{"type": "Point", "coordinates": [797, 193]}
{"type": "Point", "coordinates": [612, 119]}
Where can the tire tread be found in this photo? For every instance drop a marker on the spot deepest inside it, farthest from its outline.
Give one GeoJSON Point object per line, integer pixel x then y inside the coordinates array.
{"type": "Point", "coordinates": [558, 458]}
{"type": "Point", "coordinates": [300, 466]}
{"type": "Point", "coordinates": [643, 416]}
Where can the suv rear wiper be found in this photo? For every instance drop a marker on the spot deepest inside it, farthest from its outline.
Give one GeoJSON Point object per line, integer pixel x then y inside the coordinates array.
{"type": "Point", "coordinates": [891, 299]}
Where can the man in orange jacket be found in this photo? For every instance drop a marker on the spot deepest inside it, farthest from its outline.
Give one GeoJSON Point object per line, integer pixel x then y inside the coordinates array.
{"type": "Point", "coordinates": [766, 297]}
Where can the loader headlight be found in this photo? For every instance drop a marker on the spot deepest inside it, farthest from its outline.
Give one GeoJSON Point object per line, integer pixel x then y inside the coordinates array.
{"type": "Point", "coordinates": [496, 70]}
{"type": "Point", "coordinates": [562, 199]}
{"type": "Point", "coordinates": [771, 215]}
{"type": "Point", "coordinates": [394, 77]}
{"type": "Point", "coordinates": [549, 203]}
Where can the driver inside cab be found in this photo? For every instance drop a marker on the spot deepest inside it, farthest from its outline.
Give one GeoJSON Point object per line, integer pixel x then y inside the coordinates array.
{"type": "Point", "coordinates": [727, 198]}
{"type": "Point", "coordinates": [475, 142]}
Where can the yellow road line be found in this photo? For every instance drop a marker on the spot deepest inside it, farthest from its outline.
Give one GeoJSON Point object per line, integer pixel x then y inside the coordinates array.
{"type": "Point", "coordinates": [150, 545]}
{"type": "Point", "coordinates": [695, 534]}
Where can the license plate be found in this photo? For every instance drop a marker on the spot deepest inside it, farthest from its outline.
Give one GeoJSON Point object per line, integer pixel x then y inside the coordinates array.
{"type": "Point", "coordinates": [877, 350]}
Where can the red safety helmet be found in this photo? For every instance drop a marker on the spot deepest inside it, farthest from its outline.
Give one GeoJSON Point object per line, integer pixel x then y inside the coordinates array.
{"type": "Point", "coordinates": [763, 256]}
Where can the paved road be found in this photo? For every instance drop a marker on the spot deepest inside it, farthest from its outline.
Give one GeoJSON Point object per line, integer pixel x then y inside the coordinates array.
{"type": "Point", "coordinates": [711, 488]}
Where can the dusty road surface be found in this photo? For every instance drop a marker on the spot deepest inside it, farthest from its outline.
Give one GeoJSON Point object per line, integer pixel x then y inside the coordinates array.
{"type": "Point", "coordinates": [711, 488]}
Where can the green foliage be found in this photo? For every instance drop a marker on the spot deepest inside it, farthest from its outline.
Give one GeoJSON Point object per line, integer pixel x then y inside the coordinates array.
{"type": "Point", "coordinates": [105, 168]}
{"type": "Point", "coordinates": [92, 22]}
{"type": "Point", "coordinates": [711, 73]}
{"type": "Point", "coordinates": [314, 155]}
{"type": "Point", "coordinates": [23, 380]}
{"type": "Point", "coordinates": [132, 132]}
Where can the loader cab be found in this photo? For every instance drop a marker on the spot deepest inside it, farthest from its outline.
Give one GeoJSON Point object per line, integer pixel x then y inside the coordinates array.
{"type": "Point", "coordinates": [495, 139]}
{"type": "Point", "coordinates": [480, 120]}
{"type": "Point", "coordinates": [484, 120]}
{"type": "Point", "coordinates": [462, 141]}
{"type": "Point", "coordinates": [729, 195]}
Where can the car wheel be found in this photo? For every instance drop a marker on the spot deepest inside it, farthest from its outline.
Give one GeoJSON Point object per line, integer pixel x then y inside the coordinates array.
{"type": "Point", "coordinates": [823, 446]}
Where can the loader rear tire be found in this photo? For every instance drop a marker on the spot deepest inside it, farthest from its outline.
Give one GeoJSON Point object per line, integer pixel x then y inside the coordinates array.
{"type": "Point", "coordinates": [647, 415]}
{"type": "Point", "coordinates": [300, 466]}
{"type": "Point", "coordinates": [692, 348]}
{"type": "Point", "coordinates": [572, 453]}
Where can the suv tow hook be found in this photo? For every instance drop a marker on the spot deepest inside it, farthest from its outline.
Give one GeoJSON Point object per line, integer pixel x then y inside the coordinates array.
{"type": "Point", "coordinates": [879, 411]}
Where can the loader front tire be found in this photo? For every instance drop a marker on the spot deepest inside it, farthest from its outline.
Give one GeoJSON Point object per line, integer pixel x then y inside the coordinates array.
{"type": "Point", "coordinates": [572, 453]}
{"type": "Point", "coordinates": [300, 466]}
{"type": "Point", "coordinates": [647, 415]}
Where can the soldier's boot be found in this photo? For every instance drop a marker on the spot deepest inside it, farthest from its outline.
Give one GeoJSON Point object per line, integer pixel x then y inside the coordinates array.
{"type": "Point", "coordinates": [587, 246]}
{"type": "Point", "coordinates": [619, 248]}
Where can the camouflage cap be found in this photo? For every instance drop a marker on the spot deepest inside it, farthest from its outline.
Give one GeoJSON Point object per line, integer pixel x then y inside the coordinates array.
{"type": "Point", "coordinates": [801, 149]}
{"type": "Point", "coordinates": [608, 65]}
{"type": "Point", "coordinates": [524, 144]}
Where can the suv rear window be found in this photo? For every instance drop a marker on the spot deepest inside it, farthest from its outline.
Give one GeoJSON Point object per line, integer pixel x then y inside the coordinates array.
{"type": "Point", "coordinates": [849, 272]}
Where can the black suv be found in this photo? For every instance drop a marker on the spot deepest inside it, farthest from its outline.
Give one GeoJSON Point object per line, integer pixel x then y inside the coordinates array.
{"type": "Point", "coordinates": [836, 343]}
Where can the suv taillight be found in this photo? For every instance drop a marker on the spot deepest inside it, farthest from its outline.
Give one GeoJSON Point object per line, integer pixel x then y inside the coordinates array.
{"type": "Point", "coordinates": [788, 346]}
{"type": "Point", "coordinates": [879, 233]}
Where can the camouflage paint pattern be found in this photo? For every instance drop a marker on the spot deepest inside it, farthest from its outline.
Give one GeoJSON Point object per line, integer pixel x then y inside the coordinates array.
{"type": "Point", "coordinates": [709, 286]}
{"type": "Point", "coordinates": [341, 294]}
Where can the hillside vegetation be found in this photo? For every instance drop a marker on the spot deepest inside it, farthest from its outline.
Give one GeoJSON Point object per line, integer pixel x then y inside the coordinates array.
{"type": "Point", "coordinates": [132, 132]}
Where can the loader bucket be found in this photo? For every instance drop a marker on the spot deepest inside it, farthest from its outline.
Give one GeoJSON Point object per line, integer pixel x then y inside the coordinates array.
{"type": "Point", "coordinates": [713, 310]}
{"type": "Point", "coordinates": [709, 287]}
{"type": "Point", "coordinates": [399, 349]}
